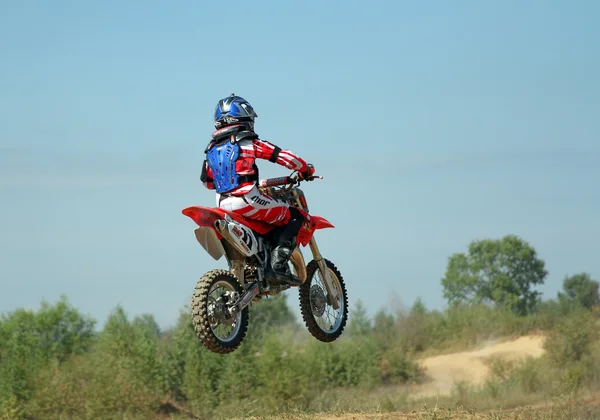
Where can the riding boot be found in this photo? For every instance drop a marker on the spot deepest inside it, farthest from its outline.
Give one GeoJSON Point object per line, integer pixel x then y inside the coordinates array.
{"type": "Point", "coordinates": [285, 245]}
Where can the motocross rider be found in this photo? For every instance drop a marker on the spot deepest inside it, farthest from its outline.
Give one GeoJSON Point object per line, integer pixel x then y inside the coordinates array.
{"type": "Point", "coordinates": [230, 169]}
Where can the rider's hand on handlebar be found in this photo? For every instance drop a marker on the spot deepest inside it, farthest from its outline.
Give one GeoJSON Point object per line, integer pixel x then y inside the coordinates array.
{"type": "Point", "coordinates": [308, 173]}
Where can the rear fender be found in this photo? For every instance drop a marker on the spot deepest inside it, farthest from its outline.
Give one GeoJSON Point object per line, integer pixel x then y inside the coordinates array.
{"type": "Point", "coordinates": [206, 233]}
{"type": "Point", "coordinates": [235, 229]}
{"type": "Point", "coordinates": [203, 216]}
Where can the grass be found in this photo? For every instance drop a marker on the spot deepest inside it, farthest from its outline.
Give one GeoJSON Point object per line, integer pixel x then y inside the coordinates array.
{"type": "Point", "coordinates": [584, 409]}
{"type": "Point", "coordinates": [130, 371]}
{"type": "Point", "coordinates": [528, 389]}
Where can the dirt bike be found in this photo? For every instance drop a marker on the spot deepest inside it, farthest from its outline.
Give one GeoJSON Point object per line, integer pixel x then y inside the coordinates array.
{"type": "Point", "coordinates": [221, 298]}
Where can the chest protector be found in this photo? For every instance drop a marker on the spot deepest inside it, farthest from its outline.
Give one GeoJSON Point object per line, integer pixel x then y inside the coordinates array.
{"type": "Point", "coordinates": [221, 158]}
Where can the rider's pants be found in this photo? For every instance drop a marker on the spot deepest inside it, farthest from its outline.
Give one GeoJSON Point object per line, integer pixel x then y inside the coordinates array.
{"type": "Point", "coordinates": [257, 206]}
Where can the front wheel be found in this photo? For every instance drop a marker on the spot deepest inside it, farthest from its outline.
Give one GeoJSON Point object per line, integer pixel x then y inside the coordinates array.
{"type": "Point", "coordinates": [323, 321]}
{"type": "Point", "coordinates": [219, 329]}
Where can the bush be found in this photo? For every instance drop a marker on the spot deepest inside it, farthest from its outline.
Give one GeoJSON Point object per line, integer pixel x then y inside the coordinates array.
{"type": "Point", "coordinates": [30, 340]}
{"type": "Point", "coordinates": [528, 375]}
{"type": "Point", "coordinates": [573, 338]}
{"type": "Point", "coordinates": [59, 368]}
{"type": "Point", "coordinates": [395, 367]}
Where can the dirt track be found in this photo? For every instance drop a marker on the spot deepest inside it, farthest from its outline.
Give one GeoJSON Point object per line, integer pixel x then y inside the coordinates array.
{"type": "Point", "coordinates": [446, 370]}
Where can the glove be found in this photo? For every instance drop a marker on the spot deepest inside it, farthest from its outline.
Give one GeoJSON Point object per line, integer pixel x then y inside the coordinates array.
{"type": "Point", "coordinates": [310, 170]}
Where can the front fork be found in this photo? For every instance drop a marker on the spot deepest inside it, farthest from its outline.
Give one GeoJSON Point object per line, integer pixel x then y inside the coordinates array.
{"type": "Point", "coordinates": [332, 292]}
{"type": "Point", "coordinates": [331, 289]}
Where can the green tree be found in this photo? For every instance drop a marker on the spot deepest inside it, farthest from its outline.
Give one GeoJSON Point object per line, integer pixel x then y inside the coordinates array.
{"type": "Point", "coordinates": [21, 355]}
{"type": "Point", "coordinates": [63, 330]}
{"type": "Point", "coordinates": [359, 323]}
{"type": "Point", "coordinates": [148, 324]}
{"type": "Point", "coordinates": [498, 271]}
{"type": "Point", "coordinates": [271, 312]}
{"type": "Point", "coordinates": [173, 348]}
{"type": "Point", "coordinates": [29, 340]}
{"type": "Point", "coordinates": [383, 326]}
{"type": "Point", "coordinates": [580, 290]}
{"type": "Point", "coordinates": [415, 336]}
{"type": "Point", "coordinates": [127, 351]}
{"type": "Point", "coordinates": [572, 341]}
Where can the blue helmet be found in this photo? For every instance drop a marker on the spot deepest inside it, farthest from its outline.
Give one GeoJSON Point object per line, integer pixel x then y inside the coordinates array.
{"type": "Point", "coordinates": [234, 110]}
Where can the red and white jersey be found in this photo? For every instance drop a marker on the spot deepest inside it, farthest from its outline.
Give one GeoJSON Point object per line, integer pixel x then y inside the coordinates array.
{"type": "Point", "coordinates": [250, 150]}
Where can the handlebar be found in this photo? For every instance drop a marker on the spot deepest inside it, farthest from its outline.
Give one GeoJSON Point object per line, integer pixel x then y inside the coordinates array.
{"type": "Point", "coordinates": [284, 180]}
{"type": "Point", "coordinates": [275, 182]}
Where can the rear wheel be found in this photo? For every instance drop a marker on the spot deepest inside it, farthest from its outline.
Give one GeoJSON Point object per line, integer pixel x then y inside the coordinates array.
{"type": "Point", "coordinates": [323, 321]}
{"type": "Point", "coordinates": [220, 330]}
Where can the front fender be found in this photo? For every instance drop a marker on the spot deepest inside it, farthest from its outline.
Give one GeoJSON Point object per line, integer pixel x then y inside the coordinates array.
{"type": "Point", "coordinates": [318, 222]}
{"type": "Point", "coordinates": [306, 232]}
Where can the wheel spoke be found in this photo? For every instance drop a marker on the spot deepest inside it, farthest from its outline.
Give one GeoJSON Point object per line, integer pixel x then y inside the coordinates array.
{"type": "Point", "coordinates": [324, 322]}
{"type": "Point", "coordinates": [219, 330]}
{"type": "Point", "coordinates": [226, 329]}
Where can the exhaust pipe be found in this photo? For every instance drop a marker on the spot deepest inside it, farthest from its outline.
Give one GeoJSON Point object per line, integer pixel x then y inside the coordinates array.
{"type": "Point", "coordinates": [221, 226]}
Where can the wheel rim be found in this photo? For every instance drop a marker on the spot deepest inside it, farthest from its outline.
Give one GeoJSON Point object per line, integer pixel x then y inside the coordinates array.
{"type": "Point", "coordinates": [327, 318]}
{"type": "Point", "coordinates": [223, 325]}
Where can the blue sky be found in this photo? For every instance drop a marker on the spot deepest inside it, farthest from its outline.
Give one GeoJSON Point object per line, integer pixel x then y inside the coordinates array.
{"type": "Point", "coordinates": [434, 123]}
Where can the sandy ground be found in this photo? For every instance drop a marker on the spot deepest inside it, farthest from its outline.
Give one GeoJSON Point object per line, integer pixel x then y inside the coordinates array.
{"type": "Point", "coordinates": [446, 370]}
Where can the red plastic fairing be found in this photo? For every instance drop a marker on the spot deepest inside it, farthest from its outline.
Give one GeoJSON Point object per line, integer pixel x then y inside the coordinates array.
{"type": "Point", "coordinates": [206, 216]}
{"type": "Point", "coordinates": [319, 222]}
{"type": "Point", "coordinates": [259, 227]}
{"type": "Point", "coordinates": [304, 236]}
{"type": "Point", "coordinates": [306, 233]}
{"type": "Point", "coordinates": [203, 216]}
